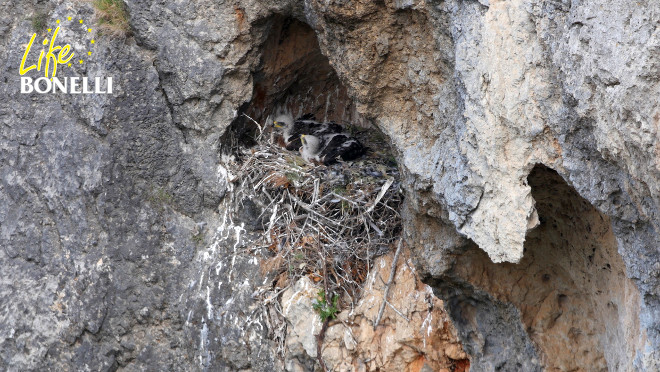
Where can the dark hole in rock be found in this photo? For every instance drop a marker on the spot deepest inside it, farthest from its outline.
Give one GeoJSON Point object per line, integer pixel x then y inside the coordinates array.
{"type": "Point", "coordinates": [294, 75]}
{"type": "Point", "coordinates": [579, 316]}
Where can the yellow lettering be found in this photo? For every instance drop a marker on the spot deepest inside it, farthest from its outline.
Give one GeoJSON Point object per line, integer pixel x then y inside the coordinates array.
{"type": "Point", "coordinates": [41, 58]}
{"type": "Point", "coordinates": [22, 69]}
{"type": "Point", "coordinates": [62, 55]}
{"type": "Point", "coordinates": [65, 54]}
{"type": "Point", "coordinates": [50, 54]}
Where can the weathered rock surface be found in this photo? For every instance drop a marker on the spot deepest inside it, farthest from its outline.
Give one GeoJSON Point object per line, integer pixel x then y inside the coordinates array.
{"type": "Point", "coordinates": [114, 252]}
{"type": "Point", "coordinates": [414, 334]}
{"type": "Point", "coordinates": [570, 289]}
{"type": "Point", "coordinates": [498, 88]}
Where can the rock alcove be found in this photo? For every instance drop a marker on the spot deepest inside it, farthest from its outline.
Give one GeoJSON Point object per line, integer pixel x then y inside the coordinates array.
{"type": "Point", "coordinates": [569, 290]}
{"type": "Point", "coordinates": [293, 75]}
{"type": "Point", "coordinates": [116, 254]}
{"type": "Point", "coordinates": [568, 293]}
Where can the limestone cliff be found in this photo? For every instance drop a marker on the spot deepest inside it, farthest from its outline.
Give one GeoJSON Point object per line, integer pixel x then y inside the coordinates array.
{"type": "Point", "coordinates": [527, 130]}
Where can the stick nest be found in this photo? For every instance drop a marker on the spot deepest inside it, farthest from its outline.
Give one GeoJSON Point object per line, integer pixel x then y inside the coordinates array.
{"type": "Point", "coordinates": [325, 222]}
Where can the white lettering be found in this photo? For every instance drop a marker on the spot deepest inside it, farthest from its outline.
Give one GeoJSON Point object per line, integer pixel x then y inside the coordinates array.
{"type": "Point", "coordinates": [66, 85]}
{"type": "Point", "coordinates": [57, 84]}
{"type": "Point", "coordinates": [26, 84]}
{"type": "Point", "coordinates": [97, 85]}
{"type": "Point", "coordinates": [37, 85]}
{"type": "Point", "coordinates": [86, 87]}
{"type": "Point", "coordinates": [75, 85]}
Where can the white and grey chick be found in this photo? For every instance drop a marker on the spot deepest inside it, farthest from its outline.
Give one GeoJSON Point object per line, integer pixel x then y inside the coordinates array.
{"type": "Point", "coordinates": [329, 148]}
{"type": "Point", "coordinates": [305, 125]}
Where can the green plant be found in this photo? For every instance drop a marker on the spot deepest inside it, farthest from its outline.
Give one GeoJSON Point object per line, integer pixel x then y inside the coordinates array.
{"type": "Point", "coordinates": [198, 238]}
{"type": "Point", "coordinates": [391, 161]}
{"type": "Point", "coordinates": [345, 206]}
{"type": "Point", "coordinates": [164, 197]}
{"type": "Point", "coordinates": [378, 137]}
{"type": "Point", "coordinates": [339, 190]}
{"type": "Point", "coordinates": [112, 17]}
{"type": "Point", "coordinates": [296, 161]}
{"type": "Point", "coordinates": [292, 176]}
{"type": "Point", "coordinates": [352, 129]}
{"type": "Point", "coordinates": [159, 197]}
{"type": "Point", "coordinates": [326, 310]}
{"type": "Point", "coordinates": [39, 20]}
{"type": "Point", "coordinates": [298, 256]}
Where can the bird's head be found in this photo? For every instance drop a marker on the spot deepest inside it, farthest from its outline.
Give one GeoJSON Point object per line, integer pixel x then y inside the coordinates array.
{"type": "Point", "coordinates": [283, 121]}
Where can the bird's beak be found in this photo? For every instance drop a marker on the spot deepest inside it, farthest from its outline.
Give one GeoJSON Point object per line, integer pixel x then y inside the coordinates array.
{"type": "Point", "coordinates": [277, 124]}
{"type": "Point", "coordinates": [302, 139]}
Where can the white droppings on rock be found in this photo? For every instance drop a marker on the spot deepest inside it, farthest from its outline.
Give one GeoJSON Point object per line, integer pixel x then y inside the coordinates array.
{"type": "Point", "coordinates": [209, 305]}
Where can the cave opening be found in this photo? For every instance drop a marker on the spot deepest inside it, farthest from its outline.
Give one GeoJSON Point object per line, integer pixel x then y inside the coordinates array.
{"type": "Point", "coordinates": [570, 289]}
{"type": "Point", "coordinates": [292, 75]}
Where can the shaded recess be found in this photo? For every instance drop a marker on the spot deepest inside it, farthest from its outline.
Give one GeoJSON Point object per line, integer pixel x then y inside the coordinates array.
{"type": "Point", "coordinates": [293, 74]}
{"type": "Point", "coordinates": [569, 293]}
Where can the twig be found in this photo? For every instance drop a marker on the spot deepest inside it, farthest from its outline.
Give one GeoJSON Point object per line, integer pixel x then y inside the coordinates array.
{"type": "Point", "coordinates": [389, 283]}
{"type": "Point", "coordinates": [343, 198]}
{"type": "Point", "coordinates": [373, 226]}
{"type": "Point", "coordinates": [306, 207]}
{"type": "Point", "coordinates": [382, 192]}
{"type": "Point", "coordinates": [275, 295]}
{"type": "Point", "coordinates": [319, 344]}
{"type": "Point", "coordinates": [397, 311]}
{"type": "Point", "coordinates": [261, 130]}
{"type": "Point", "coordinates": [271, 222]}
{"type": "Point", "coordinates": [350, 331]}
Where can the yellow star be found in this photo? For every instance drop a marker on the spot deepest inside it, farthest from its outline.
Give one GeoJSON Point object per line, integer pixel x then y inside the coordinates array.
{"type": "Point", "coordinates": [50, 29]}
{"type": "Point", "coordinates": [89, 53]}
{"type": "Point", "coordinates": [81, 21]}
{"type": "Point", "coordinates": [81, 61]}
{"type": "Point", "coordinates": [69, 65]}
{"type": "Point", "coordinates": [58, 21]}
{"type": "Point", "coordinates": [89, 30]}
{"type": "Point", "coordinates": [93, 41]}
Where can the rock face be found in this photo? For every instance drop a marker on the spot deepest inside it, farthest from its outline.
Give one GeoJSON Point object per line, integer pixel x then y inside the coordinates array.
{"type": "Point", "coordinates": [414, 334]}
{"type": "Point", "coordinates": [112, 248]}
{"type": "Point", "coordinates": [569, 291]}
{"type": "Point", "coordinates": [528, 131]}
{"type": "Point", "coordinates": [498, 88]}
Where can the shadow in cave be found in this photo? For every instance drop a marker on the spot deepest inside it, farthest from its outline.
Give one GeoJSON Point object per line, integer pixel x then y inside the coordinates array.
{"type": "Point", "coordinates": [569, 294]}
{"type": "Point", "coordinates": [294, 75]}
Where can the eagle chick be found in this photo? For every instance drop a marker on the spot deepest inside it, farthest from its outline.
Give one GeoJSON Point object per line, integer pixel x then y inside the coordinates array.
{"type": "Point", "coordinates": [305, 125]}
{"type": "Point", "coordinates": [328, 148]}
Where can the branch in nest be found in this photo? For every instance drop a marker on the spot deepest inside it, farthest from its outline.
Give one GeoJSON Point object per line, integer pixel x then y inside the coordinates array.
{"type": "Point", "coordinates": [389, 283]}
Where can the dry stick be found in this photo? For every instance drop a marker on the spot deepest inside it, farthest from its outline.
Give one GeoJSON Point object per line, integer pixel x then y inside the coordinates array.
{"type": "Point", "coordinates": [261, 131]}
{"type": "Point", "coordinates": [325, 275]}
{"type": "Point", "coordinates": [397, 311]}
{"type": "Point", "coordinates": [389, 283]}
{"type": "Point", "coordinates": [306, 207]}
{"type": "Point", "coordinates": [382, 192]}
{"type": "Point", "coordinates": [319, 343]}
{"type": "Point", "coordinates": [321, 335]}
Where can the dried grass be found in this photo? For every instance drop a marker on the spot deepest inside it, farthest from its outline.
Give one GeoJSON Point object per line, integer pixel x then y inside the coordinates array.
{"type": "Point", "coordinates": [112, 17]}
{"type": "Point", "coordinates": [39, 21]}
